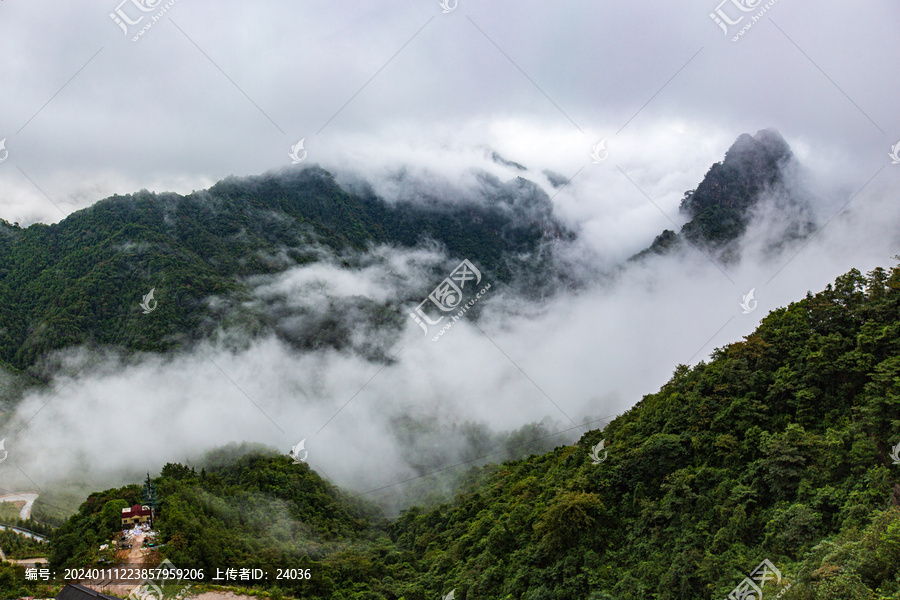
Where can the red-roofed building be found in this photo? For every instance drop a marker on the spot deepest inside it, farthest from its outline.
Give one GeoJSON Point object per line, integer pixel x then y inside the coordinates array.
{"type": "Point", "coordinates": [135, 515]}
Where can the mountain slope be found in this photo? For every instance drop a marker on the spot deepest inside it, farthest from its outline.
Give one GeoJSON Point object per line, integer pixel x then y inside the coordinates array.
{"type": "Point", "coordinates": [721, 207]}
{"type": "Point", "coordinates": [80, 281]}
{"type": "Point", "coordinates": [778, 448]}
{"type": "Point", "coordinates": [254, 508]}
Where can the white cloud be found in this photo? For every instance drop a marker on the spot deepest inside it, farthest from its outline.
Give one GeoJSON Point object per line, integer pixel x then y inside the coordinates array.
{"type": "Point", "coordinates": [158, 114]}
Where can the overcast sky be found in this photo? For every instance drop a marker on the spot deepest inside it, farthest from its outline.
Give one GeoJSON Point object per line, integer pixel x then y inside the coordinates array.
{"type": "Point", "coordinates": [214, 89]}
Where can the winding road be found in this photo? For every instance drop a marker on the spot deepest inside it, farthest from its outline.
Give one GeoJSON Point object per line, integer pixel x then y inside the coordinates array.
{"type": "Point", "coordinates": [27, 497]}
{"type": "Point", "coordinates": [25, 532]}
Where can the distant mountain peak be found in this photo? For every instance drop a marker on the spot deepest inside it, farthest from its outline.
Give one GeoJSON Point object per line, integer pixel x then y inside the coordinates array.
{"type": "Point", "coordinates": [767, 142]}
{"type": "Point", "coordinates": [720, 209]}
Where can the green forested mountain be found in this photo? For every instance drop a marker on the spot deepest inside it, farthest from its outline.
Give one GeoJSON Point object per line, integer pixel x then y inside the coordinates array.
{"type": "Point", "coordinates": [720, 209]}
{"type": "Point", "coordinates": [778, 448]}
{"type": "Point", "coordinates": [258, 510]}
{"type": "Point", "coordinates": [80, 281]}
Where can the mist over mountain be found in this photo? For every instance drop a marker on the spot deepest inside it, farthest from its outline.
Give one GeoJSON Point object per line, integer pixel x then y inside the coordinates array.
{"type": "Point", "coordinates": [755, 169]}
{"type": "Point", "coordinates": [451, 299]}
{"type": "Point", "coordinates": [751, 454]}
{"type": "Point", "coordinates": [283, 314]}
{"type": "Point", "coordinates": [74, 282]}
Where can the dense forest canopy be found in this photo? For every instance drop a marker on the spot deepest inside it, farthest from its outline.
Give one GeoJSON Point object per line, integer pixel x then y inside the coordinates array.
{"type": "Point", "coordinates": [80, 281]}
{"type": "Point", "coordinates": [778, 448]}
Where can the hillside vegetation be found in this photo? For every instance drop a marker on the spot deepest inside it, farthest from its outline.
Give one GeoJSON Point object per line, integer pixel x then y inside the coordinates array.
{"type": "Point", "coordinates": [778, 448]}
{"type": "Point", "coordinates": [80, 281]}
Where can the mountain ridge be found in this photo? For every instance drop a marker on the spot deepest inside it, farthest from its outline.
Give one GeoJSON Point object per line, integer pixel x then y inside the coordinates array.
{"type": "Point", "coordinates": [720, 208]}
{"type": "Point", "coordinates": [776, 449]}
{"type": "Point", "coordinates": [77, 282]}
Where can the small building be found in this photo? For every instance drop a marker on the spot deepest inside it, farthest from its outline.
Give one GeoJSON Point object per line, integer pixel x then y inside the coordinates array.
{"type": "Point", "coordinates": [73, 591]}
{"type": "Point", "coordinates": [135, 515]}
